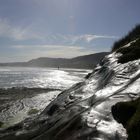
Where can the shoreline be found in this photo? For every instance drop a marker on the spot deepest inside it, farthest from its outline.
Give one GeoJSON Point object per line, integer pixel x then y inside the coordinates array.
{"type": "Point", "coordinates": [19, 103]}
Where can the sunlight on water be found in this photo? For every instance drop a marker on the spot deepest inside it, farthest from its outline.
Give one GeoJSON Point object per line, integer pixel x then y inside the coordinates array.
{"type": "Point", "coordinates": [39, 77]}
{"type": "Point", "coordinates": [17, 107]}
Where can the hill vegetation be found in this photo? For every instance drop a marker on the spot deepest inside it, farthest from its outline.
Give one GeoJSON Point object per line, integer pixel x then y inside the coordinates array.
{"type": "Point", "coordinates": [131, 36]}
{"type": "Point", "coordinates": [129, 46]}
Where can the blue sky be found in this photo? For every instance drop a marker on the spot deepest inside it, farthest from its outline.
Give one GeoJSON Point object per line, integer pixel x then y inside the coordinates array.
{"type": "Point", "coordinates": [62, 28]}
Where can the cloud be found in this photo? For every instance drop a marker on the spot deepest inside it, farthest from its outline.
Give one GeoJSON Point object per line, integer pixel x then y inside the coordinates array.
{"type": "Point", "coordinates": [15, 33]}
{"type": "Point", "coordinates": [77, 40]}
{"type": "Point", "coordinates": [90, 38]}
{"type": "Point", "coordinates": [65, 51]}
{"type": "Point", "coordinates": [34, 51]}
{"type": "Point", "coordinates": [26, 34]}
{"type": "Point", "coordinates": [23, 43]}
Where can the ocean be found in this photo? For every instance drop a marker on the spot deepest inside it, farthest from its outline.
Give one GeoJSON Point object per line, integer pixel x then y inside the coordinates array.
{"type": "Point", "coordinates": [40, 77]}
{"type": "Point", "coordinates": [26, 91]}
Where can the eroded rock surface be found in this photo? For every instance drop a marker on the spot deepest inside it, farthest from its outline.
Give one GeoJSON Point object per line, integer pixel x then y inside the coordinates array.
{"type": "Point", "coordinates": [83, 112]}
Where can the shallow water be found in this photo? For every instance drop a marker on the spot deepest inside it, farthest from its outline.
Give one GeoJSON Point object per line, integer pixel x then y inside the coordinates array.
{"type": "Point", "coordinates": [39, 77]}
{"type": "Point", "coordinates": [41, 86]}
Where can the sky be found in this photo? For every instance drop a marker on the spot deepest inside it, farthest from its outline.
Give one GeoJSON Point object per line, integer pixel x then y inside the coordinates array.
{"type": "Point", "coordinates": [63, 28]}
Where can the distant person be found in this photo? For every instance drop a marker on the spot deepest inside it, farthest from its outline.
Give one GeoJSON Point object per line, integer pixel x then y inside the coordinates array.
{"type": "Point", "coordinates": [58, 67]}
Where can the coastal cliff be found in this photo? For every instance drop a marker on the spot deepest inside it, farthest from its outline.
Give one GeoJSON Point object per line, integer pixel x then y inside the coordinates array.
{"type": "Point", "coordinates": [83, 112]}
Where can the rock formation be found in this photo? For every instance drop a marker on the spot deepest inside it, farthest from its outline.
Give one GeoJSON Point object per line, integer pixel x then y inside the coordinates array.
{"type": "Point", "coordinates": [83, 112]}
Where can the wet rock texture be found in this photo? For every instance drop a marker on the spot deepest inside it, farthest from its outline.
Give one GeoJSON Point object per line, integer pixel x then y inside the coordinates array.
{"type": "Point", "coordinates": [83, 112]}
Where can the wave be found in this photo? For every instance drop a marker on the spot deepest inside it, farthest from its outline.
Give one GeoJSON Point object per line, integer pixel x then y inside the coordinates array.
{"type": "Point", "coordinates": [18, 103]}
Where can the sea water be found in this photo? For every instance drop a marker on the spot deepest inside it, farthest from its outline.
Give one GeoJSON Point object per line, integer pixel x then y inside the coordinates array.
{"type": "Point", "coordinates": [21, 90]}
{"type": "Point", "coordinates": [40, 77]}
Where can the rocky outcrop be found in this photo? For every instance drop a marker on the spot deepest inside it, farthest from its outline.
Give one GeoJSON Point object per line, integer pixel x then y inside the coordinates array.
{"type": "Point", "coordinates": [83, 112]}
{"type": "Point", "coordinates": [128, 113]}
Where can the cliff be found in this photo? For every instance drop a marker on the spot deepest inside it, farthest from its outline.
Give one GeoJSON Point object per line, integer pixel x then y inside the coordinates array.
{"type": "Point", "coordinates": [83, 112]}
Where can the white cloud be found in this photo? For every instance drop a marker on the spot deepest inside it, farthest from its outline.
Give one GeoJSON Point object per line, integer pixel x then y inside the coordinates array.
{"type": "Point", "coordinates": [53, 51]}
{"type": "Point", "coordinates": [25, 33]}
{"type": "Point", "coordinates": [56, 45]}
{"type": "Point", "coordinates": [85, 39]}
{"type": "Point", "coordinates": [65, 52]}
{"type": "Point", "coordinates": [89, 37]}
{"type": "Point", "coordinates": [15, 33]}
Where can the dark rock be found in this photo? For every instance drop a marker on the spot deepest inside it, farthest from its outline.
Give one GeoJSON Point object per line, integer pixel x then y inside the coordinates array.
{"type": "Point", "coordinates": [122, 112]}
{"type": "Point", "coordinates": [88, 75]}
{"type": "Point", "coordinates": [52, 109]}
{"type": "Point", "coordinates": [128, 113]}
